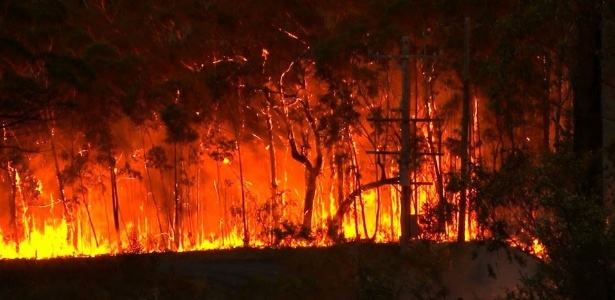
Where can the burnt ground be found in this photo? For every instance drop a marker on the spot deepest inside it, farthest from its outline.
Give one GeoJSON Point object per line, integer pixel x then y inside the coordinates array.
{"type": "Point", "coordinates": [349, 271]}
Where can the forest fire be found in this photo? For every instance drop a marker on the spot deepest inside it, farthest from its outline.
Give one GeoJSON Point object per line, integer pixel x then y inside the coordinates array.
{"type": "Point", "coordinates": [207, 188]}
{"type": "Point", "coordinates": [82, 224]}
{"type": "Point", "coordinates": [284, 142]}
{"type": "Point", "coordinates": [52, 223]}
{"type": "Point", "coordinates": [47, 233]}
{"type": "Point", "coordinates": [131, 127]}
{"type": "Point", "coordinates": [177, 187]}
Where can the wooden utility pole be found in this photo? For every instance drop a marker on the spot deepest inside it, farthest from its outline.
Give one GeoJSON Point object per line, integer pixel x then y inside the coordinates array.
{"type": "Point", "coordinates": [465, 127]}
{"type": "Point", "coordinates": [404, 160]}
{"type": "Point", "coordinates": [406, 223]}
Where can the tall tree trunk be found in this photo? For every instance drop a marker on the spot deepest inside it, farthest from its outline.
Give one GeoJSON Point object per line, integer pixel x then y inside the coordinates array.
{"type": "Point", "coordinates": [87, 208]}
{"type": "Point", "coordinates": [199, 217]}
{"type": "Point", "coordinates": [357, 179]}
{"type": "Point", "coordinates": [187, 214]}
{"type": "Point", "coordinates": [177, 232]}
{"type": "Point", "coordinates": [151, 190]}
{"type": "Point", "coordinates": [308, 200]}
{"type": "Point", "coordinates": [68, 215]}
{"type": "Point", "coordinates": [238, 131]}
{"type": "Point", "coordinates": [442, 206]}
{"type": "Point", "coordinates": [378, 203]}
{"type": "Point", "coordinates": [13, 204]}
{"type": "Point", "coordinates": [165, 203]}
{"type": "Point", "coordinates": [82, 189]}
{"type": "Point", "coordinates": [559, 107]}
{"type": "Point", "coordinates": [546, 104]}
{"type": "Point", "coordinates": [465, 126]}
{"type": "Point", "coordinates": [221, 199]}
{"type": "Point", "coordinates": [274, 212]}
{"type": "Point", "coordinates": [339, 166]}
{"type": "Point", "coordinates": [246, 233]}
{"type": "Point", "coordinates": [115, 203]}
{"type": "Point", "coordinates": [312, 169]}
{"type": "Point", "coordinates": [165, 198]}
{"type": "Point", "coordinates": [13, 194]}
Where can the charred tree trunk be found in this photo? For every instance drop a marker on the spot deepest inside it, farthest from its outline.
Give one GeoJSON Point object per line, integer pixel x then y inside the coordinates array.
{"type": "Point", "coordinates": [165, 198]}
{"type": "Point", "coordinates": [81, 188]}
{"type": "Point", "coordinates": [339, 167]}
{"type": "Point", "coordinates": [338, 170]}
{"type": "Point", "coordinates": [312, 169]}
{"type": "Point", "coordinates": [337, 220]}
{"type": "Point", "coordinates": [68, 215]}
{"type": "Point", "coordinates": [13, 194]}
{"type": "Point", "coordinates": [13, 203]}
{"type": "Point", "coordinates": [238, 131]}
{"type": "Point", "coordinates": [188, 213]}
{"type": "Point", "coordinates": [177, 232]}
{"type": "Point", "coordinates": [377, 165]}
{"type": "Point", "coordinates": [151, 190]}
{"type": "Point", "coordinates": [357, 179]}
{"type": "Point", "coordinates": [465, 126]}
{"type": "Point", "coordinates": [87, 208]}
{"type": "Point", "coordinates": [246, 233]}
{"type": "Point", "coordinates": [19, 225]}
{"type": "Point", "coordinates": [274, 213]}
{"type": "Point", "coordinates": [165, 201]}
{"type": "Point", "coordinates": [272, 165]}
{"type": "Point", "coordinates": [559, 105]}
{"type": "Point", "coordinates": [199, 217]}
{"type": "Point", "coordinates": [442, 206]}
{"type": "Point", "coordinates": [308, 200]}
{"type": "Point", "coordinates": [546, 105]}
{"type": "Point", "coordinates": [115, 204]}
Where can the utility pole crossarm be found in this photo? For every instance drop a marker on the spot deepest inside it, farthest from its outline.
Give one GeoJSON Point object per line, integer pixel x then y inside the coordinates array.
{"type": "Point", "coordinates": [416, 120]}
{"type": "Point", "coordinates": [383, 152]}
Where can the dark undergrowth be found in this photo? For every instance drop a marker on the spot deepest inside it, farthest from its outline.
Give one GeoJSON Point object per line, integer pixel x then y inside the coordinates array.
{"type": "Point", "coordinates": [348, 271]}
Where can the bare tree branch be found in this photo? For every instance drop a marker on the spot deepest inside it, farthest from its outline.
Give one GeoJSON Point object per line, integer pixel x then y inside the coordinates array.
{"type": "Point", "coordinates": [341, 211]}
